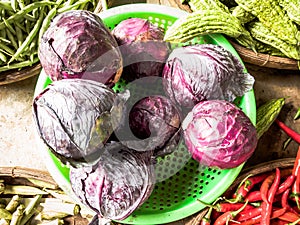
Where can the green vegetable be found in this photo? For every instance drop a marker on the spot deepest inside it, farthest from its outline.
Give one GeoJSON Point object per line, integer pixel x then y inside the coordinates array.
{"type": "Point", "coordinates": [267, 49]}
{"type": "Point", "coordinates": [272, 16]}
{"type": "Point", "coordinates": [18, 65]}
{"type": "Point", "coordinates": [207, 5]}
{"type": "Point", "coordinates": [30, 209]}
{"type": "Point", "coordinates": [17, 215]}
{"type": "Point", "coordinates": [29, 38]}
{"type": "Point", "coordinates": [26, 10]}
{"type": "Point", "coordinates": [11, 38]}
{"type": "Point", "coordinates": [261, 33]}
{"type": "Point", "coordinates": [243, 15]}
{"type": "Point", "coordinates": [5, 214]}
{"type": "Point", "coordinates": [292, 8]}
{"type": "Point", "coordinates": [22, 23]}
{"type": "Point", "coordinates": [22, 190]}
{"type": "Point", "coordinates": [203, 22]}
{"type": "Point", "coordinates": [266, 115]}
{"type": "Point", "coordinates": [13, 203]}
{"type": "Point", "coordinates": [48, 19]}
{"type": "Point", "coordinates": [221, 14]}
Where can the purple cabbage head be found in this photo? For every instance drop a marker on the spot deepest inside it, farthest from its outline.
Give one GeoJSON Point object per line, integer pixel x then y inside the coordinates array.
{"type": "Point", "coordinates": [77, 44]}
{"type": "Point", "coordinates": [204, 72]}
{"type": "Point", "coordinates": [73, 118]}
{"type": "Point", "coordinates": [155, 121]}
{"type": "Point", "coordinates": [218, 134]}
{"type": "Point", "coordinates": [143, 49]}
{"type": "Point", "coordinates": [150, 124]}
{"type": "Point", "coordinates": [118, 184]}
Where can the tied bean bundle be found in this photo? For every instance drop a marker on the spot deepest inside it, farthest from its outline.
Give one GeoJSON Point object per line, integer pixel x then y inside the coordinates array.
{"type": "Point", "coordinates": [270, 26]}
{"type": "Point", "coordinates": [36, 202]}
{"type": "Point", "coordinates": [23, 22]}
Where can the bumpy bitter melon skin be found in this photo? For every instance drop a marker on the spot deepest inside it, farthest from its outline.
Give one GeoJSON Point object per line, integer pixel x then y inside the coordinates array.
{"type": "Point", "coordinates": [261, 33]}
{"type": "Point", "coordinates": [203, 22]}
{"type": "Point", "coordinates": [292, 8]}
{"type": "Point", "coordinates": [266, 115]}
{"type": "Point", "coordinates": [208, 4]}
{"type": "Point", "coordinates": [243, 15]}
{"type": "Point", "coordinates": [273, 17]}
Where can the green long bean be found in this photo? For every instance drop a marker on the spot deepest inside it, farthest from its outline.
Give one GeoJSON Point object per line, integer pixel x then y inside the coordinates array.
{"type": "Point", "coordinates": [19, 34]}
{"type": "Point", "coordinates": [10, 28]}
{"type": "Point", "coordinates": [48, 18]}
{"type": "Point", "coordinates": [26, 10]}
{"type": "Point", "coordinates": [18, 65]}
{"type": "Point", "coordinates": [21, 3]}
{"type": "Point", "coordinates": [3, 33]}
{"type": "Point", "coordinates": [3, 57]}
{"type": "Point", "coordinates": [22, 24]}
{"type": "Point", "coordinates": [6, 49]}
{"type": "Point", "coordinates": [14, 5]}
{"type": "Point", "coordinates": [73, 6]}
{"type": "Point", "coordinates": [5, 40]}
{"type": "Point", "coordinates": [30, 37]}
{"type": "Point", "coordinates": [19, 25]}
{"type": "Point", "coordinates": [6, 6]}
{"type": "Point", "coordinates": [12, 39]}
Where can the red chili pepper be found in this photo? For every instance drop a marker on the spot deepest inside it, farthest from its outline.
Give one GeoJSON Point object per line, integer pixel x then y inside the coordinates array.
{"type": "Point", "coordinates": [274, 187]}
{"type": "Point", "coordinates": [284, 199]}
{"type": "Point", "coordinates": [246, 185]}
{"type": "Point", "coordinates": [277, 221]}
{"type": "Point", "coordinates": [296, 167]}
{"type": "Point", "coordinates": [206, 219]}
{"type": "Point", "coordinates": [253, 196]}
{"type": "Point", "coordinates": [215, 215]}
{"type": "Point", "coordinates": [295, 222]}
{"type": "Point", "coordinates": [296, 190]}
{"type": "Point", "coordinates": [227, 206]}
{"type": "Point", "coordinates": [227, 216]}
{"type": "Point", "coordinates": [289, 131]}
{"type": "Point", "coordinates": [285, 202]}
{"type": "Point", "coordinates": [289, 216]}
{"type": "Point", "coordinates": [286, 184]}
{"type": "Point", "coordinates": [267, 204]}
{"type": "Point", "coordinates": [264, 188]}
{"type": "Point", "coordinates": [295, 210]}
{"type": "Point", "coordinates": [266, 213]}
{"type": "Point", "coordinates": [248, 214]}
{"type": "Point", "coordinates": [256, 220]}
{"type": "Point", "coordinates": [252, 221]}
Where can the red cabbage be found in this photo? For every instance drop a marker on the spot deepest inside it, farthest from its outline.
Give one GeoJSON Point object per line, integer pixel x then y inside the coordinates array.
{"type": "Point", "coordinates": [218, 134]}
{"type": "Point", "coordinates": [143, 49]}
{"type": "Point", "coordinates": [77, 44]}
{"type": "Point", "coordinates": [74, 118]}
{"type": "Point", "coordinates": [156, 122]}
{"type": "Point", "coordinates": [204, 72]}
{"type": "Point", "coordinates": [118, 184]}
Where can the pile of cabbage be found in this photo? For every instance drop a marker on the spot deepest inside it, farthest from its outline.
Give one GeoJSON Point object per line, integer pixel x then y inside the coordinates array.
{"type": "Point", "coordinates": [111, 139]}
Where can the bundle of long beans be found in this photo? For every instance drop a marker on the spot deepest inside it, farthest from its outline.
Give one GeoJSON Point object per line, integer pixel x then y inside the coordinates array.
{"type": "Point", "coordinates": [36, 202]}
{"type": "Point", "coordinates": [23, 22]}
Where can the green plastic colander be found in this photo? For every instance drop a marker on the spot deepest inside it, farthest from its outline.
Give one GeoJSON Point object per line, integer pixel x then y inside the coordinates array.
{"type": "Point", "coordinates": [180, 179]}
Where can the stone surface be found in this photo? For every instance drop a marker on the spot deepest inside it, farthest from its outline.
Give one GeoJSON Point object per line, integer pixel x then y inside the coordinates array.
{"type": "Point", "coordinates": [17, 132]}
